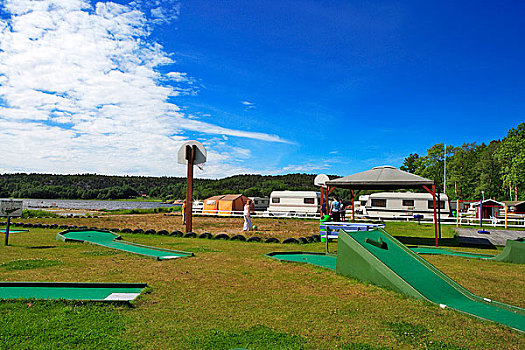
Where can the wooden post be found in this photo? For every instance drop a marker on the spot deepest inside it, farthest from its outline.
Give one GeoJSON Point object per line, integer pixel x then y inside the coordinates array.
{"type": "Point", "coordinates": [433, 193]}
{"type": "Point", "coordinates": [7, 231]}
{"type": "Point", "coordinates": [321, 204]}
{"type": "Point", "coordinates": [353, 206]}
{"type": "Point", "coordinates": [190, 157]}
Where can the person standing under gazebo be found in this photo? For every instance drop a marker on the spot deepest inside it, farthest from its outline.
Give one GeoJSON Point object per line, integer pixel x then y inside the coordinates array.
{"type": "Point", "coordinates": [335, 208]}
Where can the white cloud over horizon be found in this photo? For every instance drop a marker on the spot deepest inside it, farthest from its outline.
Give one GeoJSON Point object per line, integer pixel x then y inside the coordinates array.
{"type": "Point", "coordinates": [81, 91]}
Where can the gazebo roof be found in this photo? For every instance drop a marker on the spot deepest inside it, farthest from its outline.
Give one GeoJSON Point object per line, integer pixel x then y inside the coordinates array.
{"type": "Point", "coordinates": [384, 177]}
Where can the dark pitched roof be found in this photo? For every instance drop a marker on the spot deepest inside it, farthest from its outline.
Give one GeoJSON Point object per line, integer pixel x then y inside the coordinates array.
{"type": "Point", "coordinates": [381, 178]}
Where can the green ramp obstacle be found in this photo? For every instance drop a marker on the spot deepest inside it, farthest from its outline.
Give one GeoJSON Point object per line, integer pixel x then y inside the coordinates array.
{"type": "Point", "coordinates": [118, 292]}
{"type": "Point", "coordinates": [514, 252]}
{"type": "Point", "coordinates": [112, 240]}
{"type": "Point", "coordinates": [377, 257]}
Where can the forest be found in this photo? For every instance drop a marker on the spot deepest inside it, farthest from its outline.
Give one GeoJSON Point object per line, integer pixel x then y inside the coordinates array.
{"type": "Point", "coordinates": [473, 171]}
{"type": "Point", "coordinates": [495, 170]}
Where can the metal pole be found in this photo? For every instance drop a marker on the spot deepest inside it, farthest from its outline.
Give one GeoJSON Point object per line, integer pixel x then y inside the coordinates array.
{"type": "Point", "coordinates": [7, 230]}
{"type": "Point", "coordinates": [505, 215]}
{"type": "Point", "coordinates": [326, 234]}
{"type": "Point", "coordinates": [481, 214]}
{"type": "Point", "coordinates": [190, 157]}
{"type": "Point", "coordinates": [439, 214]}
{"type": "Point", "coordinates": [457, 213]}
{"type": "Point", "coordinates": [445, 172]}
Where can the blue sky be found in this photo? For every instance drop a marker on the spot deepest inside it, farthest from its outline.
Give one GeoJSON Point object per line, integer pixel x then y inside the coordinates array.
{"type": "Point", "coordinates": [268, 87]}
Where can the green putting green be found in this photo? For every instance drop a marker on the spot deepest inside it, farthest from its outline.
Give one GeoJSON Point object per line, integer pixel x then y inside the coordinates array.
{"type": "Point", "coordinates": [395, 266]}
{"type": "Point", "coordinates": [71, 291]}
{"type": "Point", "coordinates": [514, 252]}
{"type": "Point", "coordinates": [318, 259]}
{"type": "Point", "coordinates": [377, 257]}
{"type": "Point", "coordinates": [13, 231]}
{"type": "Point", "coordinates": [111, 240]}
{"type": "Point", "coordinates": [445, 251]}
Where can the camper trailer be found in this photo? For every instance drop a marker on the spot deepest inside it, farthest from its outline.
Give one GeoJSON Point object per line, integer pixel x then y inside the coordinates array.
{"type": "Point", "coordinates": [294, 203]}
{"type": "Point", "coordinates": [404, 205]}
{"type": "Point", "coordinates": [260, 203]}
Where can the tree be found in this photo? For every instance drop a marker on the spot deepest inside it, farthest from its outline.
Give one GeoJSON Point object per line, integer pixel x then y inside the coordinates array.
{"type": "Point", "coordinates": [511, 155]}
{"type": "Point", "coordinates": [412, 164]}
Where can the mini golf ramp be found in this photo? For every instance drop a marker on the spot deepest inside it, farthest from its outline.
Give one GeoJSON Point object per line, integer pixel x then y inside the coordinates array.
{"type": "Point", "coordinates": [117, 292]}
{"type": "Point", "coordinates": [114, 241]}
{"type": "Point", "coordinates": [513, 252]}
{"type": "Point", "coordinates": [377, 257]}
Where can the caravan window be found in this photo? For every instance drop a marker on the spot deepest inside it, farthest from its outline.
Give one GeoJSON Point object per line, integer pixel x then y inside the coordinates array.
{"type": "Point", "coordinates": [441, 205]}
{"type": "Point", "coordinates": [408, 202]}
{"type": "Point", "coordinates": [379, 203]}
{"type": "Point", "coordinates": [276, 200]}
{"type": "Point", "coordinates": [309, 200]}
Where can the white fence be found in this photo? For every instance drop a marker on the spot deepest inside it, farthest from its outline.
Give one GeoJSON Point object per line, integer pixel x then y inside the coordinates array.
{"type": "Point", "coordinates": [514, 221]}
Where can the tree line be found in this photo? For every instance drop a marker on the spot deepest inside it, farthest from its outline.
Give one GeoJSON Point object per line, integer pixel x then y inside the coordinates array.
{"type": "Point", "coordinates": [92, 186]}
{"type": "Point", "coordinates": [495, 170]}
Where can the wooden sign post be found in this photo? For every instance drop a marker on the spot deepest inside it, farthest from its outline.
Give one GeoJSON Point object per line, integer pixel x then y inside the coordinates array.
{"type": "Point", "coordinates": [191, 153]}
{"type": "Point", "coordinates": [10, 209]}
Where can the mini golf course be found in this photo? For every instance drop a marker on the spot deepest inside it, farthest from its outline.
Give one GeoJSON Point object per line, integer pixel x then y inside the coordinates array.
{"type": "Point", "coordinates": [377, 257]}
{"type": "Point", "coordinates": [123, 292]}
{"type": "Point", "coordinates": [114, 241]}
{"type": "Point", "coordinates": [13, 231]}
{"type": "Point", "coordinates": [514, 252]}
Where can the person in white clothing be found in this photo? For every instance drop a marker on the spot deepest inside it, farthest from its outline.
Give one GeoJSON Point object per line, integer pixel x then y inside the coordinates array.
{"type": "Point", "coordinates": [247, 216]}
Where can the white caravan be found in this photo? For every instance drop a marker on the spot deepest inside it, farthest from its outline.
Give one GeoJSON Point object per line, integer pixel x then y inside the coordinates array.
{"type": "Point", "coordinates": [294, 203]}
{"type": "Point", "coordinates": [404, 205]}
{"type": "Point", "coordinates": [260, 203]}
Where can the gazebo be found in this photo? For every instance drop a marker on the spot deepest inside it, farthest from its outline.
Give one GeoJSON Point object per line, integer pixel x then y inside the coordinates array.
{"type": "Point", "coordinates": [387, 178]}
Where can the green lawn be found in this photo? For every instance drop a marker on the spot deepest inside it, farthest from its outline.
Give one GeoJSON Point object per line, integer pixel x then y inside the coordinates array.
{"type": "Point", "coordinates": [231, 296]}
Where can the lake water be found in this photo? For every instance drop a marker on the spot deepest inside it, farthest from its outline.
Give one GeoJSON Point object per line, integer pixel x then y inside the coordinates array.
{"type": "Point", "coordinates": [89, 205]}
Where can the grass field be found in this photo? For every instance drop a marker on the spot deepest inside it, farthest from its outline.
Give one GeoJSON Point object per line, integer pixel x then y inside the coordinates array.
{"type": "Point", "coordinates": [230, 295]}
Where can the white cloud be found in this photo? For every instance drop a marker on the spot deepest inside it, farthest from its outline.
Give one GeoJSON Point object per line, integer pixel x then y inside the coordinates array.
{"type": "Point", "coordinates": [248, 105]}
{"type": "Point", "coordinates": [80, 91]}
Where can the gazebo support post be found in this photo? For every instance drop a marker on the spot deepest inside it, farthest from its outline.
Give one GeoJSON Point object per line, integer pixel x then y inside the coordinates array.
{"type": "Point", "coordinates": [433, 193]}
{"type": "Point", "coordinates": [321, 204]}
{"type": "Point", "coordinates": [353, 206]}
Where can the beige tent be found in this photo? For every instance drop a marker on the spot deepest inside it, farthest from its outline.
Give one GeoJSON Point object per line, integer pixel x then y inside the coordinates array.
{"type": "Point", "coordinates": [211, 205]}
{"type": "Point", "coordinates": [232, 203]}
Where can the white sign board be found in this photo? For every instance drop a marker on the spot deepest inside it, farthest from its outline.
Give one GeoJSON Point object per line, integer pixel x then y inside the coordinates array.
{"type": "Point", "coordinates": [11, 208]}
{"type": "Point", "coordinates": [200, 153]}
